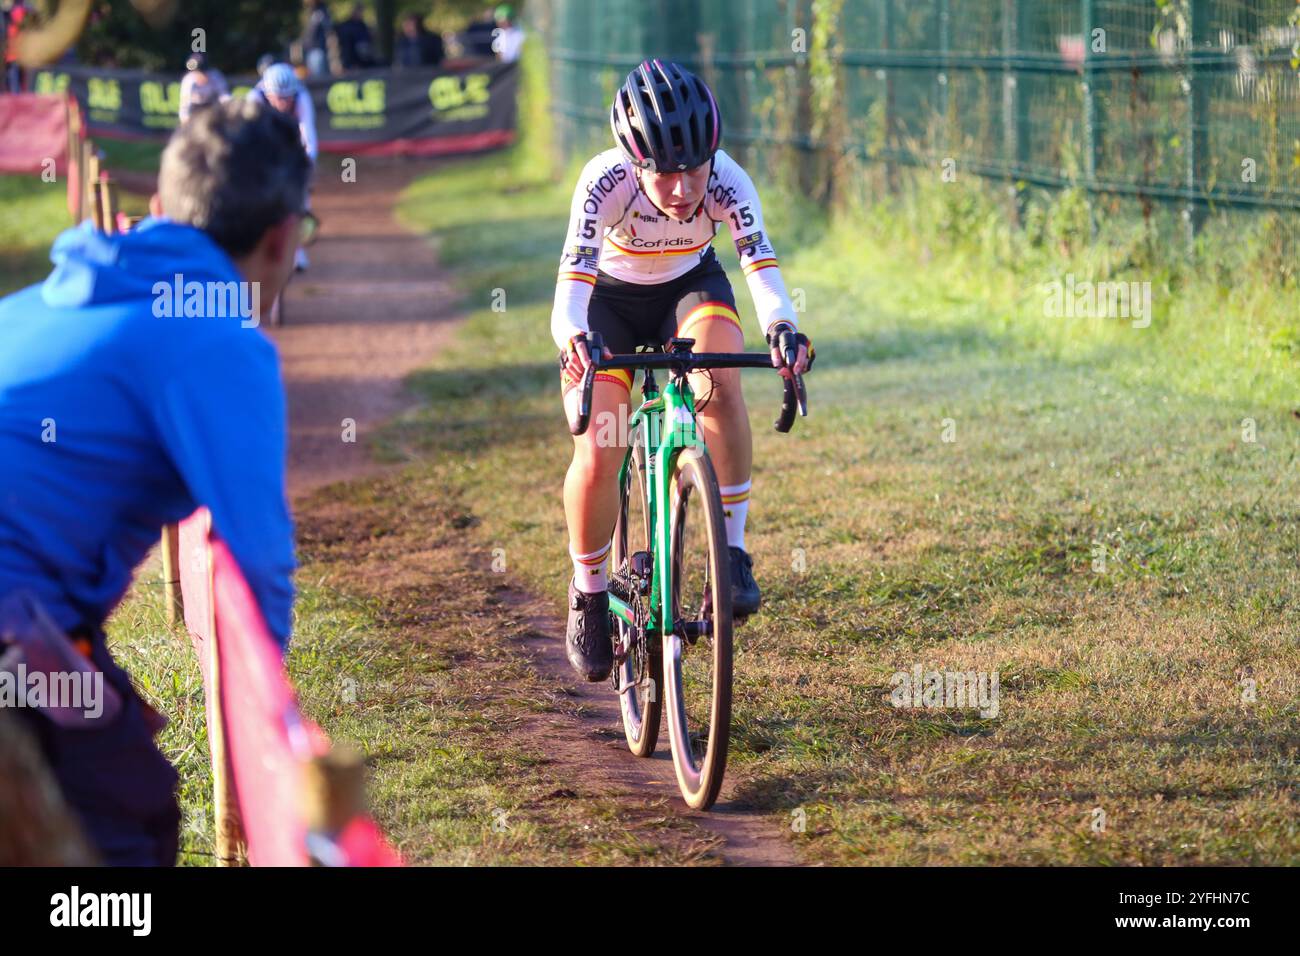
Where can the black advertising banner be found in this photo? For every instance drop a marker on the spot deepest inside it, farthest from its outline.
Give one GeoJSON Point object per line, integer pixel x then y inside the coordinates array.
{"type": "Point", "coordinates": [414, 112]}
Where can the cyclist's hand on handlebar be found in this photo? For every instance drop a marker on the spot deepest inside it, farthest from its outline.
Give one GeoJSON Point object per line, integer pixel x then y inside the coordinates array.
{"type": "Point", "coordinates": [777, 340]}
{"type": "Point", "coordinates": [579, 356]}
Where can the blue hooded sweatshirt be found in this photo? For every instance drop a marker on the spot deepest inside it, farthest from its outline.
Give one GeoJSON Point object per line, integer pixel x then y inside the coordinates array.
{"type": "Point", "coordinates": [115, 420]}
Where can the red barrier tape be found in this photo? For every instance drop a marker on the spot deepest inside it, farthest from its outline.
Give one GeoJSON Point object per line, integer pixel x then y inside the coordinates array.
{"type": "Point", "coordinates": [33, 131]}
{"type": "Point", "coordinates": [268, 740]}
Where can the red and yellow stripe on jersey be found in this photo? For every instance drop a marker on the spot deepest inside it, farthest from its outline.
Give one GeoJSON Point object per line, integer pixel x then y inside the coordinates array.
{"type": "Point", "coordinates": [675, 251]}
{"type": "Point", "coordinates": [758, 265]}
{"type": "Point", "coordinates": [586, 277]}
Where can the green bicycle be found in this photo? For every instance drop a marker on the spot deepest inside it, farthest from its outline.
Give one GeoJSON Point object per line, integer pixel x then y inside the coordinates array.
{"type": "Point", "coordinates": [670, 580]}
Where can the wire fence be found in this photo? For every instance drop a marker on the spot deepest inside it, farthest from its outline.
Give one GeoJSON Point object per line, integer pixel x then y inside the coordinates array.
{"type": "Point", "coordinates": [1187, 105]}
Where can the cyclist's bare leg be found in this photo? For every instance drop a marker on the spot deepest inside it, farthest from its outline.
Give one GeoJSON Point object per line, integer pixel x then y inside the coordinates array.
{"type": "Point", "coordinates": [591, 507]}
{"type": "Point", "coordinates": [725, 423]}
{"type": "Point", "coordinates": [723, 418]}
{"type": "Point", "coordinates": [591, 485]}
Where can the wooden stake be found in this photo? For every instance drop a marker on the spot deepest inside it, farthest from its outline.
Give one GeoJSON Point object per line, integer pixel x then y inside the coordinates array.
{"type": "Point", "coordinates": [231, 844]}
{"type": "Point", "coordinates": [171, 574]}
{"type": "Point", "coordinates": [96, 188]}
{"type": "Point", "coordinates": [108, 204]}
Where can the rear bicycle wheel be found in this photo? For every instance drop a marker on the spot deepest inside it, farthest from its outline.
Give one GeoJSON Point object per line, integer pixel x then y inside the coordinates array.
{"type": "Point", "coordinates": [639, 676]}
{"type": "Point", "coordinates": [697, 655]}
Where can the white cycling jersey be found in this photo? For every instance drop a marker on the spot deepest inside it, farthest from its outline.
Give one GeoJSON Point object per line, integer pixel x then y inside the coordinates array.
{"type": "Point", "coordinates": [614, 228]}
{"type": "Point", "coordinates": [303, 111]}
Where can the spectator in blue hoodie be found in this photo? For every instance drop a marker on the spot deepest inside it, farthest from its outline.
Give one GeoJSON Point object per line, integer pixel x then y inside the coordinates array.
{"type": "Point", "coordinates": [135, 387]}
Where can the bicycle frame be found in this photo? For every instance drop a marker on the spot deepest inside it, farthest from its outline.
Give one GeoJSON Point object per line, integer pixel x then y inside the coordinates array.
{"type": "Point", "coordinates": [675, 405]}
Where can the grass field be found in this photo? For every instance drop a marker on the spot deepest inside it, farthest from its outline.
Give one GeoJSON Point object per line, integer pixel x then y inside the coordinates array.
{"type": "Point", "coordinates": [1101, 514]}
{"type": "Point", "coordinates": [1100, 531]}
{"type": "Point", "coordinates": [34, 213]}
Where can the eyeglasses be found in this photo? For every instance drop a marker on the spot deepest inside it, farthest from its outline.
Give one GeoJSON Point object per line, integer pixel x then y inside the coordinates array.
{"type": "Point", "coordinates": [308, 228]}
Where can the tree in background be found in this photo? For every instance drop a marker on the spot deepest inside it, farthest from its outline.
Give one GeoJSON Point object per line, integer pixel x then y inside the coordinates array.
{"type": "Point", "coordinates": [158, 35]}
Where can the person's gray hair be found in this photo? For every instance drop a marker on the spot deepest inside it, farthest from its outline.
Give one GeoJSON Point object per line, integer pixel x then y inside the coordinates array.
{"type": "Point", "coordinates": [234, 169]}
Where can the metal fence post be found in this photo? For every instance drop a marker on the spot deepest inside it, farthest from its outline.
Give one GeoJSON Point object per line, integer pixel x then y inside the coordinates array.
{"type": "Point", "coordinates": [1011, 104]}
{"type": "Point", "coordinates": [944, 77]}
{"type": "Point", "coordinates": [1091, 114]}
{"type": "Point", "coordinates": [1194, 212]}
{"type": "Point", "coordinates": [891, 170]}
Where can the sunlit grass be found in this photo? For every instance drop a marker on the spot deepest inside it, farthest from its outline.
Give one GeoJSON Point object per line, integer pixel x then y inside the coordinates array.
{"type": "Point", "coordinates": [1109, 526]}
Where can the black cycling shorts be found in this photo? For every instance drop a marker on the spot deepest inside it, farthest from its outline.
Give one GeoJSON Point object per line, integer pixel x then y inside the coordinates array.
{"type": "Point", "coordinates": [629, 314]}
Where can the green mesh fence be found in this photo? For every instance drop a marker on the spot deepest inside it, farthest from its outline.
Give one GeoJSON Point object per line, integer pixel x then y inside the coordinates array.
{"type": "Point", "coordinates": [1185, 105]}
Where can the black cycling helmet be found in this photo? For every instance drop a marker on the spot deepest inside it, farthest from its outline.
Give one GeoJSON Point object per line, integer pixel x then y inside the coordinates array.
{"type": "Point", "coordinates": [665, 118]}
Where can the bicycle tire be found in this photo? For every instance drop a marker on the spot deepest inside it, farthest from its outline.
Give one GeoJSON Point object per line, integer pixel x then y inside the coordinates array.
{"type": "Point", "coordinates": [641, 709]}
{"type": "Point", "coordinates": [695, 491]}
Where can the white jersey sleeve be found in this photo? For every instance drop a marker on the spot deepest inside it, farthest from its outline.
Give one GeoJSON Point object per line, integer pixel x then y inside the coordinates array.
{"type": "Point", "coordinates": [304, 113]}
{"type": "Point", "coordinates": [734, 200]}
{"type": "Point", "coordinates": [187, 90]}
{"type": "Point", "coordinates": [307, 122]}
{"type": "Point", "coordinates": [603, 192]}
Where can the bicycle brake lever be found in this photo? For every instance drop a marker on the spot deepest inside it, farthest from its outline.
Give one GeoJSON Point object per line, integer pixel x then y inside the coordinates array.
{"type": "Point", "coordinates": [595, 352]}
{"type": "Point", "coordinates": [584, 403]}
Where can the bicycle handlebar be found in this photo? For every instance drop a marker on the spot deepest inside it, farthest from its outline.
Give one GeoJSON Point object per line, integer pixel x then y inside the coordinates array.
{"type": "Point", "coordinates": [681, 359]}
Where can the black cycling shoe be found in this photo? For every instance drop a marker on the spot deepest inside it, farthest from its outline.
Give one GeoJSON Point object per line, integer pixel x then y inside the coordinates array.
{"type": "Point", "coordinates": [745, 596]}
{"type": "Point", "coordinates": [590, 650]}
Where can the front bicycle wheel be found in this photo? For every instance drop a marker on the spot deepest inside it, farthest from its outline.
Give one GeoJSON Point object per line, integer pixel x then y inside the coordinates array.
{"type": "Point", "coordinates": [639, 675]}
{"type": "Point", "coordinates": [697, 655]}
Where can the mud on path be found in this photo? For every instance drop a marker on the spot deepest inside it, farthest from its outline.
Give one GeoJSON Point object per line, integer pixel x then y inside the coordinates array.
{"type": "Point", "coordinates": [373, 307]}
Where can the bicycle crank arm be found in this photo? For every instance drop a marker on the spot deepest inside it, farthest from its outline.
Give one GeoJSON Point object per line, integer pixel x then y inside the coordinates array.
{"type": "Point", "coordinates": [693, 630]}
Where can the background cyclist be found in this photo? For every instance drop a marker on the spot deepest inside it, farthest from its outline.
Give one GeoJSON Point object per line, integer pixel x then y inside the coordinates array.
{"type": "Point", "coordinates": [639, 268]}
{"type": "Point", "coordinates": [281, 89]}
{"type": "Point", "coordinates": [201, 86]}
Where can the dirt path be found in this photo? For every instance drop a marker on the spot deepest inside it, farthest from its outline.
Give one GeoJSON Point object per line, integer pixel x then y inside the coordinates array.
{"type": "Point", "coordinates": [373, 307]}
{"type": "Point", "coordinates": [599, 750]}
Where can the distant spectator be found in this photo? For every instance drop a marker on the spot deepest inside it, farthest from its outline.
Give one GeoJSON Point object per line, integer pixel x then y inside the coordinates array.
{"type": "Point", "coordinates": [201, 86]}
{"type": "Point", "coordinates": [508, 38]}
{"type": "Point", "coordinates": [478, 36]}
{"type": "Point", "coordinates": [315, 37]}
{"type": "Point", "coordinates": [296, 60]}
{"type": "Point", "coordinates": [356, 46]}
{"type": "Point", "coordinates": [417, 46]}
{"type": "Point", "coordinates": [13, 21]}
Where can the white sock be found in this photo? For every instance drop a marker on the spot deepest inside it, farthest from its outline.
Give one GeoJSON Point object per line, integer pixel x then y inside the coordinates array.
{"type": "Point", "coordinates": [589, 570]}
{"type": "Point", "coordinates": [735, 507]}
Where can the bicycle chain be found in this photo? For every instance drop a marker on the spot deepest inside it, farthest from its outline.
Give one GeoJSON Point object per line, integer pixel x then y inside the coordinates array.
{"type": "Point", "coordinates": [622, 586]}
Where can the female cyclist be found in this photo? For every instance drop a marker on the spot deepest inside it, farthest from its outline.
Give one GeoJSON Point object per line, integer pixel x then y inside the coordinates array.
{"type": "Point", "coordinates": [639, 268]}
